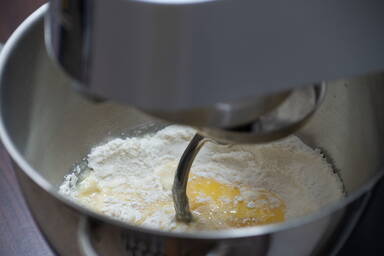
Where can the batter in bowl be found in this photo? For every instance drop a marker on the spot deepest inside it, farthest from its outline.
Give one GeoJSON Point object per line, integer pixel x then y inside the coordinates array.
{"type": "Point", "coordinates": [229, 186]}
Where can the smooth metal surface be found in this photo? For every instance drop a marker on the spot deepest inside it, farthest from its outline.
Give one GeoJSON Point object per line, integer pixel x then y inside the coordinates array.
{"type": "Point", "coordinates": [266, 119]}
{"type": "Point", "coordinates": [84, 235]}
{"type": "Point", "coordinates": [179, 188]}
{"type": "Point", "coordinates": [47, 127]}
{"type": "Point", "coordinates": [215, 64]}
{"type": "Point", "coordinates": [178, 55]}
{"type": "Point", "coordinates": [224, 114]}
{"type": "Point", "coordinates": [284, 120]}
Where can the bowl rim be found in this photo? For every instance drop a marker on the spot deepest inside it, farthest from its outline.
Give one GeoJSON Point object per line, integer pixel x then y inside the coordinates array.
{"type": "Point", "coordinates": [35, 21]}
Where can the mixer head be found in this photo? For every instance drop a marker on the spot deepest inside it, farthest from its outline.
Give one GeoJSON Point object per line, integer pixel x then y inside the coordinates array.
{"type": "Point", "coordinates": [235, 69]}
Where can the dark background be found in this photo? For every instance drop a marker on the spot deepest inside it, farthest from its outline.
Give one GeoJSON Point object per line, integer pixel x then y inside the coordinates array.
{"type": "Point", "coordinates": [19, 235]}
{"type": "Point", "coordinates": [13, 12]}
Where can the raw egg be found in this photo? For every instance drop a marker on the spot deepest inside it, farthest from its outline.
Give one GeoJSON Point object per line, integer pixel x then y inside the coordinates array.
{"type": "Point", "coordinates": [223, 205]}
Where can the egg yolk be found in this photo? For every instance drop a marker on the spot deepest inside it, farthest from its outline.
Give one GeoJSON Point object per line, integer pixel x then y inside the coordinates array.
{"type": "Point", "coordinates": [215, 205]}
{"type": "Point", "coordinates": [222, 204]}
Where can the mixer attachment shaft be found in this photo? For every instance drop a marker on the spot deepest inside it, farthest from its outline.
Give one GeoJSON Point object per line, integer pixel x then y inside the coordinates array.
{"type": "Point", "coordinates": [179, 189]}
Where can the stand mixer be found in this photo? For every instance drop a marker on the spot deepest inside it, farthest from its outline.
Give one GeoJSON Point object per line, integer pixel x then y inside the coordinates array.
{"type": "Point", "coordinates": [235, 69]}
{"type": "Point", "coordinates": [222, 66]}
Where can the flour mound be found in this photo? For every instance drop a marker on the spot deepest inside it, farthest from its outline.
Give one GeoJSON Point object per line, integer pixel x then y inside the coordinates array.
{"type": "Point", "coordinates": [128, 179]}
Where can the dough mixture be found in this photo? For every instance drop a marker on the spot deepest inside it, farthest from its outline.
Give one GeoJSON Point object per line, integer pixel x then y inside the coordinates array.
{"type": "Point", "coordinates": [229, 186]}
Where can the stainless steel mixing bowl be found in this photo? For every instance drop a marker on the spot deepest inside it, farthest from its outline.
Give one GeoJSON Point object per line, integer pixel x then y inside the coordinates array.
{"type": "Point", "coordinates": [47, 127]}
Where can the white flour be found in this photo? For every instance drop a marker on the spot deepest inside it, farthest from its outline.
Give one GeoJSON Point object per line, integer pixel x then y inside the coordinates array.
{"type": "Point", "coordinates": [130, 179]}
